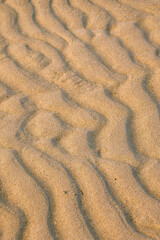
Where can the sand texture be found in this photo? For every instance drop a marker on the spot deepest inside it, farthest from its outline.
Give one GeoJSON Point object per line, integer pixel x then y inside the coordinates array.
{"type": "Point", "coordinates": [79, 119]}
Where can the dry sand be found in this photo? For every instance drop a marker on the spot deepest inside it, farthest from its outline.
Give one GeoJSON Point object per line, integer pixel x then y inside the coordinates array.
{"type": "Point", "coordinates": [79, 119]}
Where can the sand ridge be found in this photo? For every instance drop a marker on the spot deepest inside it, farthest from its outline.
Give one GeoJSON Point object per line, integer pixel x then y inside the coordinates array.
{"type": "Point", "coordinates": [79, 120]}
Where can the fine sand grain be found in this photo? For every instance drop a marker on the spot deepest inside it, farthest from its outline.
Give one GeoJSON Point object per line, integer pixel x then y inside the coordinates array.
{"type": "Point", "coordinates": [79, 120]}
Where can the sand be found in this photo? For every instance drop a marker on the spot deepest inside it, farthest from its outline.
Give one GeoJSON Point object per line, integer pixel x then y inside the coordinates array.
{"type": "Point", "coordinates": [79, 120]}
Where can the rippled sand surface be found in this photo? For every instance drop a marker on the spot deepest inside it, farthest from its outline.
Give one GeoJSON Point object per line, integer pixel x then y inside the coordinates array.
{"type": "Point", "coordinates": [79, 119]}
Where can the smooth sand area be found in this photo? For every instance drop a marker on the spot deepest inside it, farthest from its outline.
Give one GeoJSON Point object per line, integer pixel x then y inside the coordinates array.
{"type": "Point", "coordinates": [79, 119]}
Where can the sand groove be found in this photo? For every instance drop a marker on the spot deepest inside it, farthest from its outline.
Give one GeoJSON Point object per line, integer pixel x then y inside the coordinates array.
{"type": "Point", "coordinates": [79, 120]}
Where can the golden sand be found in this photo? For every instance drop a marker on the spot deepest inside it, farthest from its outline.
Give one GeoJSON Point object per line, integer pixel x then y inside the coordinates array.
{"type": "Point", "coordinates": [79, 120]}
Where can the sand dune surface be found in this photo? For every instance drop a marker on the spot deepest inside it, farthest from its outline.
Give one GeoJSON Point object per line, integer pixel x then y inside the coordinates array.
{"type": "Point", "coordinates": [79, 120]}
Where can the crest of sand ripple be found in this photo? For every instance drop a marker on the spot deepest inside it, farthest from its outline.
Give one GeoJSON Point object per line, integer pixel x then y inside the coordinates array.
{"type": "Point", "coordinates": [9, 222]}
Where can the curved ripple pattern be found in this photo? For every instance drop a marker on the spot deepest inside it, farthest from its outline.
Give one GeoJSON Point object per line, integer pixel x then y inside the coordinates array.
{"type": "Point", "coordinates": [79, 120]}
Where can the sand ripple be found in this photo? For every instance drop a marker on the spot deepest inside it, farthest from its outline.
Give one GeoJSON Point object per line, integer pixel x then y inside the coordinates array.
{"type": "Point", "coordinates": [79, 120]}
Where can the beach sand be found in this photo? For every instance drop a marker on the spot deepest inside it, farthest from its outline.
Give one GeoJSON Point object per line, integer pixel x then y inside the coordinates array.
{"type": "Point", "coordinates": [79, 120]}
